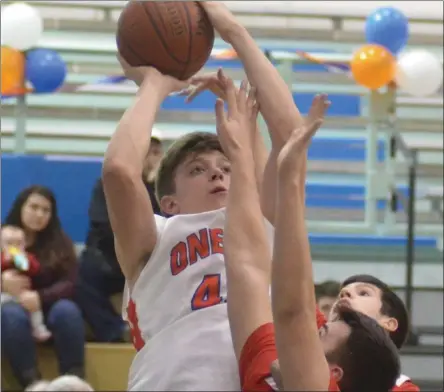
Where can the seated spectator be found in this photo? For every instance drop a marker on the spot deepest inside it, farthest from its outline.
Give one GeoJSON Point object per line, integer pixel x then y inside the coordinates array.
{"type": "Point", "coordinates": [326, 295]}
{"type": "Point", "coordinates": [14, 257]}
{"type": "Point", "coordinates": [51, 289]}
{"type": "Point", "coordinates": [100, 275]}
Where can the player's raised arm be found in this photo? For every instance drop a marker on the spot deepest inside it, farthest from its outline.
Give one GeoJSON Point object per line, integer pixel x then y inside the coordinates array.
{"type": "Point", "coordinates": [274, 97]}
{"type": "Point", "coordinates": [129, 207]}
{"type": "Point", "coordinates": [301, 356]}
{"type": "Point", "coordinates": [246, 247]}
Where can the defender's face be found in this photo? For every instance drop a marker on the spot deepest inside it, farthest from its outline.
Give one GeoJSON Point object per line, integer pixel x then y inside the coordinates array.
{"type": "Point", "coordinates": [202, 184]}
{"type": "Point", "coordinates": [361, 297]}
{"type": "Point", "coordinates": [365, 298]}
{"type": "Point", "coordinates": [333, 335]}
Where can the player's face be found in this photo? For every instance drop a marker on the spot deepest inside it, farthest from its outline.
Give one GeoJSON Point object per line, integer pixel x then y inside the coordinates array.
{"type": "Point", "coordinates": [202, 183]}
{"type": "Point", "coordinates": [325, 305]}
{"type": "Point", "coordinates": [333, 335]}
{"type": "Point", "coordinates": [365, 298]}
{"type": "Point", "coordinates": [153, 158]}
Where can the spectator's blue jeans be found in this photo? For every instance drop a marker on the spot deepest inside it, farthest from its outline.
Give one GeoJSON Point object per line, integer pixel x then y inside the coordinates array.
{"type": "Point", "coordinates": [63, 319]}
{"type": "Point", "coordinates": [96, 283]}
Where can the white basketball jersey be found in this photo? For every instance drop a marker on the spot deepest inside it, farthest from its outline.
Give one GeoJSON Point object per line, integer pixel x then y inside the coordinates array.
{"type": "Point", "coordinates": [180, 300]}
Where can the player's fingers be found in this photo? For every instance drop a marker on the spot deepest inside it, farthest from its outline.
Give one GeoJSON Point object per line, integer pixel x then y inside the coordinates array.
{"type": "Point", "coordinates": [203, 77]}
{"type": "Point", "coordinates": [231, 98]}
{"type": "Point", "coordinates": [218, 90]}
{"type": "Point", "coordinates": [255, 111]}
{"type": "Point", "coordinates": [222, 78]}
{"type": "Point", "coordinates": [242, 97]}
{"type": "Point", "coordinates": [194, 92]}
{"type": "Point", "coordinates": [251, 100]}
{"type": "Point", "coordinates": [310, 130]}
{"type": "Point", "coordinates": [221, 117]}
{"type": "Point", "coordinates": [122, 61]}
{"type": "Point", "coordinates": [319, 106]}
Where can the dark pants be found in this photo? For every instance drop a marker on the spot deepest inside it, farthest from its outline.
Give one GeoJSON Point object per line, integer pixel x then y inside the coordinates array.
{"type": "Point", "coordinates": [96, 283]}
{"type": "Point", "coordinates": [63, 319]}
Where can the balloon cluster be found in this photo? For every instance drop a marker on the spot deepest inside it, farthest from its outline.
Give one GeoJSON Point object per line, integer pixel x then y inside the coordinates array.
{"type": "Point", "coordinates": [25, 68]}
{"type": "Point", "coordinates": [381, 62]}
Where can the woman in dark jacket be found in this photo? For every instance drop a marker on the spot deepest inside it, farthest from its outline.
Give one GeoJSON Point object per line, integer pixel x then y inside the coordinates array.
{"type": "Point", "coordinates": [35, 211]}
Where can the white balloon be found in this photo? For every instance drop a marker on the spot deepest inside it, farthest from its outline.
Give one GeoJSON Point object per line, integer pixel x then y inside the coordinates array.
{"type": "Point", "coordinates": [419, 73]}
{"type": "Point", "coordinates": [21, 26]}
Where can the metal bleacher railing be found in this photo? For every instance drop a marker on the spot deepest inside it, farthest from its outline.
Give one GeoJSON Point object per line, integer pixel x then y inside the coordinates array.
{"type": "Point", "coordinates": [393, 144]}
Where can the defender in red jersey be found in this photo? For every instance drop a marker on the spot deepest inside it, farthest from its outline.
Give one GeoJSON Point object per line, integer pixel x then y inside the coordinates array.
{"type": "Point", "coordinates": [308, 362]}
{"type": "Point", "coordinates": [259, 368]}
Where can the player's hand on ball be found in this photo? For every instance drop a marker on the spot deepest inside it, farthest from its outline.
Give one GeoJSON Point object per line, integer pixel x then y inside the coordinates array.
{"type": "Point", "coordinates": [138, 75]}
{"type": "Point", "coordinates": [234, 126]}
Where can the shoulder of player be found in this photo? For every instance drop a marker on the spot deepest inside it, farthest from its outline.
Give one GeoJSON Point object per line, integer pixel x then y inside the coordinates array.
{"type": "Point", "coordinates": [187, 219]}
{"type": "Point", "coordinates": [405, 384]}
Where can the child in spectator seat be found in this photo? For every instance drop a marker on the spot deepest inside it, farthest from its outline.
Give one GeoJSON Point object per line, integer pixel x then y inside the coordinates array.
{"type": "Point", "coordinates": [14, 256]}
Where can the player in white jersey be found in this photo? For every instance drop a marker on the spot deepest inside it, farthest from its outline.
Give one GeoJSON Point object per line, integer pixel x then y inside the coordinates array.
{"type": "Point", "coordinates": [174, 267]}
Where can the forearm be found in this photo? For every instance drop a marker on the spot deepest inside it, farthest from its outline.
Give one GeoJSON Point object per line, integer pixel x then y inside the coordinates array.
{"type": "Point", "coordinates": [260, 155]}
{"type": "Point", "coordinates": [292, 275]}
{"type": "Point", "coordinates": [131, 141]}
{"type": "Point", "coordinates": [275, 99]}
{"type": "Point", "coordinates": [245, 229]}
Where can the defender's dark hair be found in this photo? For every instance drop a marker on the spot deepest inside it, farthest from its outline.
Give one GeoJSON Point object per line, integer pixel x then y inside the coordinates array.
{"type": "Point", "coordinates": [329, 288]}
{"type": "Point", "coordinates": [392, 306]}
{"type": "Point", "coordinates": [189, 145]}
{"type": "Point", "coordinates": [369, 359]}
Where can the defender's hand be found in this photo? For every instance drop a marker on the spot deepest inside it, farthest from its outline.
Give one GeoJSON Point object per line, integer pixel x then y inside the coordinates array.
{"type": "Point", "coordinates": [234, 128]}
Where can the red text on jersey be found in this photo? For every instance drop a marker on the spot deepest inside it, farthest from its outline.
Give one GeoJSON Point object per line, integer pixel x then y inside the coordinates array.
{"type": "Point", "coordinates": [197, 246]}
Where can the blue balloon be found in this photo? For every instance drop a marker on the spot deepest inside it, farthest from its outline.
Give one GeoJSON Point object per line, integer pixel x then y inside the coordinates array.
{"type": "Point", "coordinates": [388, 27]}
{"type": "Point", "coordinates": [45, 70]}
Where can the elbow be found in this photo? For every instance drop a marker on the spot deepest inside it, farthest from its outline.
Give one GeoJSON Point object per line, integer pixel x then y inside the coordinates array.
{"type": "Point", "coordinates": [117, 171]}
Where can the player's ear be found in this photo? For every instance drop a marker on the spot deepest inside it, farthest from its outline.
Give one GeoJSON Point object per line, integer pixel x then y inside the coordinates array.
{"type": "Point", "coordinates": [336, 372]}
{"type": "Point", "coordinates": [169, 206]}
{"type": "Point", "coordinates": [389, 324]}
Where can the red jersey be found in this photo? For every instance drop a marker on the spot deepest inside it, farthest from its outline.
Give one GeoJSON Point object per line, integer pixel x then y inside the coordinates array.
{"type": "Point", "coordinates": [258, 353]}
{"type": "Point", "coordinates": [404, 384]}
{"type": "Point", "coordinates": [34, 265]}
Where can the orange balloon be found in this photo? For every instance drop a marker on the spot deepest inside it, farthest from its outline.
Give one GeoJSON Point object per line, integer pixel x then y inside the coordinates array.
{"type": "Point", "coordinates": [12, 71]}
{"type": "Point", "coordinates": [373, 66]}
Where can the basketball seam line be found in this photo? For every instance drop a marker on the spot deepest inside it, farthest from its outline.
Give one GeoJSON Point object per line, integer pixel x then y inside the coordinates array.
{"type": "Point", "coordinates": [190, 36]}
{"type": "Point", "coordinates": [160, 36]}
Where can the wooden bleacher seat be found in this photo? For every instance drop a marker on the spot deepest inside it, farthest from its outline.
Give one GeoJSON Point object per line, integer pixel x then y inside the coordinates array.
{"type": "Point", "coordinates": [107, 366]}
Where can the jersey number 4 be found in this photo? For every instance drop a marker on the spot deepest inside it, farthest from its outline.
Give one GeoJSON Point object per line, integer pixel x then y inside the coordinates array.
{"type": "Point", "coordinates": [207, 293]}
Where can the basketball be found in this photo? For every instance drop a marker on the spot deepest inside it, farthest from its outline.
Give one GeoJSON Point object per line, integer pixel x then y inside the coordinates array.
{"type": "Point", "coordinates": [175, 37]}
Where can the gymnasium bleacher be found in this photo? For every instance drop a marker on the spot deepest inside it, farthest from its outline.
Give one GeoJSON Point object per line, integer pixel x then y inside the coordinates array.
{"type": "Point", "coordinates": [67, 133]}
